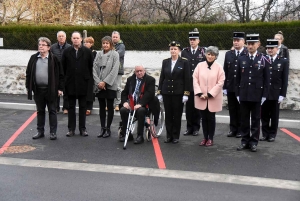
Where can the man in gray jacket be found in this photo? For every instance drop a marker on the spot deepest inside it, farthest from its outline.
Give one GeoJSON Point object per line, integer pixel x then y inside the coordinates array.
{"type": "Point", "coordinates": [120, 48]}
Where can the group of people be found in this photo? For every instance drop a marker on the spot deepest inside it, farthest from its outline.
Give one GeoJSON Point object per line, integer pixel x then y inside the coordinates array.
{"type": "Point", "coordinates": [255, 84]}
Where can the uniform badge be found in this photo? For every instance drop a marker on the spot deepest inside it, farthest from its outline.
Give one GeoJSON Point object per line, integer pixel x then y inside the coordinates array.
{"type": "Point", "coordinates": [278, 65]}
{"type": "Point", "coordinates": [259, 62]}
{"type": "Point", "coordinates": [244, 62]}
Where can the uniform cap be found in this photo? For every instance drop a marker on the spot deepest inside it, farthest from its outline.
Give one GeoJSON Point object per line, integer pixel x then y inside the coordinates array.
{"type": "Point", "coordinates": [252, 37]}
{"type": "Point", "coordinates": [272, 43]}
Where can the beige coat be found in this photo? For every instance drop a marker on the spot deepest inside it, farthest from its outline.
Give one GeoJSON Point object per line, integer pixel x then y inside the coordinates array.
{"type": "Point", "coordinates": [209, 81]}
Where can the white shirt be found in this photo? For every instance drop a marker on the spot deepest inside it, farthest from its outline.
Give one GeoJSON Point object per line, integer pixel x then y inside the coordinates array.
{"type": "Point", "coordinates": [173, 64]}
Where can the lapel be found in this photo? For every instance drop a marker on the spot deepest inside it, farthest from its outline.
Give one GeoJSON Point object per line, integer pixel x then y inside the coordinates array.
{"type": "Point", "coordinates": [177, 65]}
{"type": "Point", "coordinates": [80, 52]}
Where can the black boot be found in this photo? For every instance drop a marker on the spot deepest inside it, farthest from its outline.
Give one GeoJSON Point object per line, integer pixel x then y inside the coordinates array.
{"type": "Point", "coordinates": [102, 132]}
{"type": "Point", "coordinates": [107, 134]}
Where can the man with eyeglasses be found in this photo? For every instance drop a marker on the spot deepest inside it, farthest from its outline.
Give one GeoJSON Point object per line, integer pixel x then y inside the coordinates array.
{"type": "Point", "coordinates": [195, 54]}
{"type": "Point", "coordinates": [44, 77]}
{"type": "Point", "coordinates": [279, 72]}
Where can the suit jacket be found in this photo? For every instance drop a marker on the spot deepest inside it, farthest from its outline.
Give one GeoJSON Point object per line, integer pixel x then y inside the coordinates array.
{"type": "Point", "coordinates": [252, 80]}
{"type": "Point", "coordinates": [279, 72]}
{"type": "Point", "coordinates": [78, 71]}
{"type": "Point", "coordinates": [193, 59]}
{"type": "Point", "coordinates": [209, 81]}
{"type": "Point", "coordinates": [176, 82]}
{"type": "Point", "coordinates": [230, 69]}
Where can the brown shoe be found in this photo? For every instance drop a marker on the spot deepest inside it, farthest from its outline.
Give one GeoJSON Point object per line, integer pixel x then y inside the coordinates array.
{"type": "Point", "coordinates": [117, 108]}
{"type": "Point", "coordinates": [203, 142]}
{"type": "Point", "coordinates": [65, 111]}
{"type": "Point", "coordinates": [88, 112]}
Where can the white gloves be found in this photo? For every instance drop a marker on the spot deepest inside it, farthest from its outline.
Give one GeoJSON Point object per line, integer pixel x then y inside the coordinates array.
{"type": "Point", "coordinates": [225, 91]}
{"type": "Point", "coordinates": [280, 99]}
{"type": "Point", "coordinates": [184, 99]}
{"type": "Point", "coordinates": [262, 100]}
{"type": "Point", "coordinates": [238, 98]}
{"type": "Point", "coordinates": [160, 98]}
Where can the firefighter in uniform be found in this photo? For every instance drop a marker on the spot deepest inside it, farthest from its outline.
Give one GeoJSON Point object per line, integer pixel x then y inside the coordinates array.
{"type": "Point", "coordinates": [174, 90]}
{"type": "Point", "coordinates": [195, 54]}
{"type": "Point", "coordinates": [230, 69]}
{"type": "Point", "coordinates": [279, 72]}
{"type": "Point", "coordinates": [252, 83]}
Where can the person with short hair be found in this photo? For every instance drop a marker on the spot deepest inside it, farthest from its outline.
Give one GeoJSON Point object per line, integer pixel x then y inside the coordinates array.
{"type": "Point", "coordinates": [208, 80]}
{"type": "Point", "coordinates": [44, 77]}
{"type": "Point", "coordinates": [77, 62]}
{"type": "Point", "coordinates": [120, 48]}
{"type": "Point", "coordinates": [57, 49]}
{"type": "Point", "coordinates": [105, 71]}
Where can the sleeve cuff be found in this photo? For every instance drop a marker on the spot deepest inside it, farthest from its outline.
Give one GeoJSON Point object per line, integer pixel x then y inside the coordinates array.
{"type": "Point", "coordinates": [186, 93]}
{"type": "Point", "coordinates": [209, 95]}
{"type": "Point", "coordinates": [158, 92]}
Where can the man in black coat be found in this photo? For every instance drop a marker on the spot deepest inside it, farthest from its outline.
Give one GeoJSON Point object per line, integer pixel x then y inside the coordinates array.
{"type": "Point", "coordinates": [252, 83]}
{"type": "Point", "coordinates": [230, 69]}
{"type": "Point", "coordinates": [195, 54]}
{"type": "Point", "coordinates": [138, 94]}
{"type": "Point", "coordinates": [77, 62]}
{"type": "Point", "coordinates": [44, 77]}
{"type": "Point", "coordinates": [279, 72]}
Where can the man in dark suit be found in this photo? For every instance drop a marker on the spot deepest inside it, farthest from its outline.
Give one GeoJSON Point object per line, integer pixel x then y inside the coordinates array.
{"type": "Point", "coordinates": [195, 54]}
{"type": "Point", "coordinates": [252, 83]}
{"type": "Point", "coordinates": [230, 69]}
{"type": "Point", "coordinates": [138, 93]}
{"type": "Point", "coordinates": [77, 62]}
{"type": "Point", "coordinates": [279, 72]}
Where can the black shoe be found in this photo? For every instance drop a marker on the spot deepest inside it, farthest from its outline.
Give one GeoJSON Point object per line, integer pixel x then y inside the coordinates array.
{"type": "Point", "coordinates": [241, 147]}
{"type": "Point", "coordinates": [107, 134]}
{"type": "Point", "coordinates": [102, 132]}
{"type": "Point", "coordinates": [253, 148]}
{"type": "Point", "coordinates": [38, 135]}
{"type": "Point", "coordinates": [263, 139]}
{"type": "Point", "coordinates": [84, 133]}
{"type": "Point", "coordinates": [231, 134]}
{"type": "Point", "coordinates": [238, 135]}
{"type": "Point", "coordinates": [70, 134]}
{"type": "Point", "coordinates": [195, 133]}
{"type": "Point", "coordinates": [139, 140]}
{"type": "Point", "coordinates": [175, 141]}
{"type": "Point", "coordinates": [168, 140]}
{"type": "Point", "coordinates": [187, 132]}
{"type": "Point", "coordinates": [271, 139]}
{"type": "Point", "coordinates": [53, 136]}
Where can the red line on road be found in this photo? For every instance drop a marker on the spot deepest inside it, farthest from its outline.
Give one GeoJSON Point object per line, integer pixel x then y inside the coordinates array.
{"type": "Point", "coordinates": [159, 158]}
{"type": "Point", "coordinates": [290, 134]}
{"type": "Point", "coordinates": [17, 133]}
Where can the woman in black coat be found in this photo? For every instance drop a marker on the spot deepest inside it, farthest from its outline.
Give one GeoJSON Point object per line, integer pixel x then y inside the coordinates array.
{"type": "Point", "coordinates": [174, 89]}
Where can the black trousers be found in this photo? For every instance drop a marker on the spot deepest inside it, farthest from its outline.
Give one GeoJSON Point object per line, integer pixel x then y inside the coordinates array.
{"type": "Point", "coordinates": [193, 115]}
{"type": "Point", "coordinates": [173, 112]}
{"type": "Point", "coordinates": [250, 108]}
{"type": "Point", "coordinates": [139, 114]}
{"type": "Point", "coordinates": [72, 112]}
{"type": "Point", "coordinates": [208, 123]}
{"type": "Point", "coordinates": [234, 112]}
{"type": "Point", "coordinates": [41, 101]}
{"type": "Point", "coordinates": [109, 103]}
{"type": "Point", "coordinates": [269, 113]}
{"type": "Point", "coordinates": [65, 103]}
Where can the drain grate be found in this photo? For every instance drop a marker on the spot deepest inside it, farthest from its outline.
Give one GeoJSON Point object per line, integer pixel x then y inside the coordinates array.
{"type": "Point", "coordinates": [19, 149]}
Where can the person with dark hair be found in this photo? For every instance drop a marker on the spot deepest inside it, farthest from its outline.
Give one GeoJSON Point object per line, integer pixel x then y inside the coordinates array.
{"type": "Point", "coordinates": [208, 80]}
{"type": "Point", "coordinates": [44, 77]}
{"type": "Point", "coordinates": [77, 62]}
{"type": "Point", "coordinates": [282, 51]}
{"type": "Point", "coordinates": [105, 71]}
{"type": "Point", "coordinates": [195, 54]}
{"type": "Point", "coordinates": [174, 90]}
{"type": "Point", "coordinates": [89, 43]}
{"type": "Point", "coordinates": [279, 72]}
{"type": "Point", "coordinates": [57, 49]}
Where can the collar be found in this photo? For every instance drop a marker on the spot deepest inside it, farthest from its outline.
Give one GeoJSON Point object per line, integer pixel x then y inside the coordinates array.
{"type": "Point", "coordinates": [254, 55]}
{"type": "Point", "coordinates": [274, 57]}
{"type": "Point", "coordinates": [45, 56]}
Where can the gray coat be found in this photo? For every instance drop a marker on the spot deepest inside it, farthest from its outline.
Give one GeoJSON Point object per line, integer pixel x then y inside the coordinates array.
{"type": "Point", "coordinates": [107, 74]}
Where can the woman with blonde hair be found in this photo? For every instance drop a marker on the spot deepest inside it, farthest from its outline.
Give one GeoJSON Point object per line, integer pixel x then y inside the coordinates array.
{"type": "Point", "coordinates": [283, 51]}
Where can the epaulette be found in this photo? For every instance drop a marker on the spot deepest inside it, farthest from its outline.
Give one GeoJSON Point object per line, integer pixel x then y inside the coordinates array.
{"type": "Point", "coordinates": [184, 58]}
{"type": "Point", "coordinates": [186, 48]}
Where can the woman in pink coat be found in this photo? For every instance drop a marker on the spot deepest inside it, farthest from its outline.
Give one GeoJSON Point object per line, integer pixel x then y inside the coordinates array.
{"type": "Point", "coordinates": [208, 80]}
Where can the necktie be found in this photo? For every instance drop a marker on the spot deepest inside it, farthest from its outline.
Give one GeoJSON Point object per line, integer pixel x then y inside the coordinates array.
{"type": "Point", "coordinates": [238, 53]}
{"type": "Point", "coordinates": [272, 59]}
{"type": "Point", "coordinates": [251, 57]}
{"type": "Point", "coordinates": [193, 51]}
{"type": "Point", "coordinates": [137, 90]}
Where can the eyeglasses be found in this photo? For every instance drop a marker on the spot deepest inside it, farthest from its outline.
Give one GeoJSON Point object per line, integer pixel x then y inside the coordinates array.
{"type": "Point", "coordinates": [42, 45]}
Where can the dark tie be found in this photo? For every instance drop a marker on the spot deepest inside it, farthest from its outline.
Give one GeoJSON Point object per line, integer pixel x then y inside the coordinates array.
{"type": "Point", "coordinates": [193, 51]}
{"type": "Point", "coordinates": [272, 60]}
{"type": "Point", "coordinates": [251, 57]}
{"type": "Point", "coordinates": [137, 90]}
{"type": "Point", "coordinates": [238, 53]}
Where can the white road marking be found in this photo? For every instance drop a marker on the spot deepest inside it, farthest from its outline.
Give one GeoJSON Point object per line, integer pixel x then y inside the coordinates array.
{"type": "Point", "coordinates": [174, 174]}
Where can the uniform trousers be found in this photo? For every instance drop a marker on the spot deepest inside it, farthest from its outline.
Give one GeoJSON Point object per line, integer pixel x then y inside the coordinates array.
{"type": "Point", "coordinates": [234, 112]}
{"type": "Point", "coordinates": [250, 109]}
{"type": "Point", "coordinates": [193, 115]}
{"type": "Point", "coordinates": [208, 123]}
{"type": "Point", "coordinates": [269, 112]}
{"type": "Point", "coordinates": [140, 114]}
{"type": "Point", "coordinates": [72, 112]}
{"type": "Point", "coordinates": [41, 101]}
{"type": "Point", "coordinates": [173, 112]}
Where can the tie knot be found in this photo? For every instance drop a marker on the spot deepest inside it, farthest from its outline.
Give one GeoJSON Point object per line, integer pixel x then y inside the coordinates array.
{"type": "Point", "coordinates": [251, 57]}
{"type": "Point", "coordinates": [193, 51]}
{"type": "Point", "coordinates": [272, 59]}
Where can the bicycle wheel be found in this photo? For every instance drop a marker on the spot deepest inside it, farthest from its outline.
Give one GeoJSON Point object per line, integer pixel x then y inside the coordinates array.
{"type": "Point", "coordinates": [157, 130]}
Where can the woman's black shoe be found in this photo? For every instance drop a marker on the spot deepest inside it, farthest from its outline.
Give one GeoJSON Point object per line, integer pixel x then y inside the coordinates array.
{"type": "Point", "coordinates": [102, 132]}
{"type": "Point", "coordinates": [107, 134]}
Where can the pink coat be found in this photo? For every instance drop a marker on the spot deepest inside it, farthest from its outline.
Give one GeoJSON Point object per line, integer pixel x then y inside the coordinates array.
{"type": "Point", "coordinates": [209, 81]}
